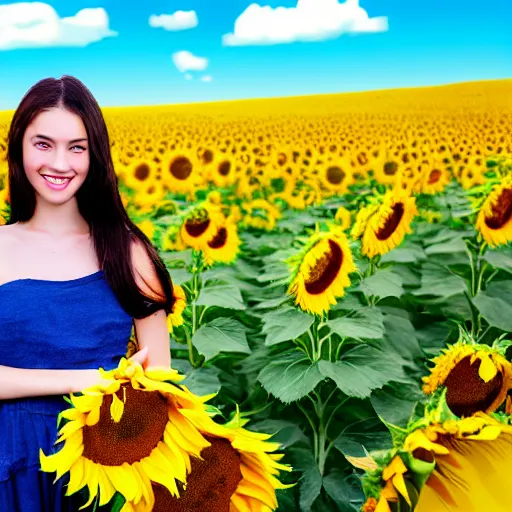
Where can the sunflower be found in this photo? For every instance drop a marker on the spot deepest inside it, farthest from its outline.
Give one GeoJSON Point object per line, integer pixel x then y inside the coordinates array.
{"type": "Point", "coordinates": [147, 227]}
{"type": "Point", "coordinates": [125, 432]}
{"type": "Point", "coordinates": [385, 168]}
{"type": "Point", "coordinates": [175, 318]}
{"type": "Point", "coordinates": [141, 432]}
{"type": "Point", "coordinates": [494, 220]}
{"type": "Point", "coordinates": [383, 227]}
{"type": "Point", "coordinates": [434, 178]}
{"type": "Point", "coordinates": [321, 271]}
{"type": "Point", "coordinates": [223, 170]}
{"type": "Point", "coordinates": [336, 176]}
{"type": "Point", "coordinates": [224, 246]}
{"type": "Point", "coordinates": [451, 464]}
{"type": "Point", "coordinates": [343, 217]}
{"type": "Point", "coordinates": [474, 473]}
{"type": "Point", "coordinates": [139, 173]}
{"type": "Point", "coordinates": [180, 171]}
{"type": "Point", "coordinates": [148, 196]}
{"type": "Point", "coordinates": [476, 377]}
{"type": "Point", "coordinates": [261, 214]}
{"type": "Point", "coordinates": [200, 226]}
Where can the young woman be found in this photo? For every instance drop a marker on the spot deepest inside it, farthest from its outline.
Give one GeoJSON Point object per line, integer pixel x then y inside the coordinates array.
{"type": "Point", "coordinates": [75, 275]}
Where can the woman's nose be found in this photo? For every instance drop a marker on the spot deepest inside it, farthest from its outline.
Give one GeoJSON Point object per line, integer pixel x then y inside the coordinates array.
{"type": "Point", "coordinates": [60, 162]}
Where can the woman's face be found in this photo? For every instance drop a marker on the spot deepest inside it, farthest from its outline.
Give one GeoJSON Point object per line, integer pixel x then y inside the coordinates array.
{"type": "Point", "coordinates": [55, 145]}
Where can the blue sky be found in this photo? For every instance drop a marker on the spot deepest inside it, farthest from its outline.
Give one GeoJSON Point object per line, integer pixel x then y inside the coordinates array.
{"type": "Point", "coordinates": [404, 43]}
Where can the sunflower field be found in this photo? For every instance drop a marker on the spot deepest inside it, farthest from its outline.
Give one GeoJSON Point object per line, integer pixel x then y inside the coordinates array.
{"type": "Point", "coordinates": [343, 277]}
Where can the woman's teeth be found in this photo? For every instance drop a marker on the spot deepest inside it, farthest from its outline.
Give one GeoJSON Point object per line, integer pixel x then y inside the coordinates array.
{"type": "Point", "coordinates": [57, 181]}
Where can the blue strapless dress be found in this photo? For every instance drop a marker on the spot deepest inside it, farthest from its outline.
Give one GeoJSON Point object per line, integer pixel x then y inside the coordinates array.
{"type": "Point", "coordinates": [74, 324]}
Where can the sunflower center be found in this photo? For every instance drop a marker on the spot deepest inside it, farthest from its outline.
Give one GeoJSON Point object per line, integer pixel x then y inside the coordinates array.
{"type": "Point", "coordinates": [181, 168]}
{"type": "Point", "coordinates": [196, 227]}
{"type": "Point", "coordinates": [362, 158]}
{"type": "Point", "coordinates": [219, 240]}
{"type": "Point", "coordinates": [434, 176]}
{"type": "Point", "coordinates": [390, 168]}
{"type": "Point", "coordinates": [142, 172]}
{"type": "Point", "coordinates": [501, 211]}
{"type": "Point", "coordinates": [392, 222]}
{"type": "Point", "coordinates": [208, 156]}
{"type": "Point", "coordinates": [224, 168]}
{"type": "Point", "coordinates": [325, 270]}
{"type": "Point", "coordinates": [141, 427]}
{"type": "Point", "coordinates": [210, 484]}
{"type": "Point", "coordinates": [466, 392]}
{"type": "Point", "coordinates": [335, 175]}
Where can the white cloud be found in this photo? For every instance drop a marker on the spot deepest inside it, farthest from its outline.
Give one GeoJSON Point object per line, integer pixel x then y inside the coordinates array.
{"type": "Point", "coordinates": [180, 20]}
{"type": "Point", "coordinates": [206, 78]}
{"type": "Point", "coordinates": [310, 20]}
{"type": "Point", "coordinates": [36, 24]}
{"type": "Point", "coordinates": [186, 61]}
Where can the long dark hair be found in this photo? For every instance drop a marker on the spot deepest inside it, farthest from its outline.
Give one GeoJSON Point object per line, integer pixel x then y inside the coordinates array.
{"type": "Point", "coordinates": [99, 201]}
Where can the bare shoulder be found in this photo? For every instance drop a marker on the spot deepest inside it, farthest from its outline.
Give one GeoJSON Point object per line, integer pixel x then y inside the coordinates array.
{"type": "Point", "coordinates": [8, 239]}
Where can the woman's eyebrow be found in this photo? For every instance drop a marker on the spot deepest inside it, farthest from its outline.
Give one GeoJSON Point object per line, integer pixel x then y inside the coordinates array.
{"type": "Point", "coordinates": [51, 140]}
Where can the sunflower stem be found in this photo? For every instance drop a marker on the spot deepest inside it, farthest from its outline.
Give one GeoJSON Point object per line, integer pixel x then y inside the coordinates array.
{"type": "Point", "coordinates": [313, 345]}
{"type": "Point", "coordinates": [313, 427]}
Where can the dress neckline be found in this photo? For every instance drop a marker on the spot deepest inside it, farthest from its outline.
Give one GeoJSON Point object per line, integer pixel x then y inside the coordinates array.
{"type": "Point", "coordinates": [78, 280]}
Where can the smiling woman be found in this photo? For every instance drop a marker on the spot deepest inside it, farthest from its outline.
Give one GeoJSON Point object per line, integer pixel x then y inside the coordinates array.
{"type": "Point", "coordinates": [76, 274]}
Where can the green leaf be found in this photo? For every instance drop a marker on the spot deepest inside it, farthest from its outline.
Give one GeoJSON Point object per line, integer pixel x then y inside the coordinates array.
{"type": "Point", "coordinates": [362, 369]}
{"type": "Point", "coordinates": [221, 295]}
{"type": "Point", "coordinates": [311, 479]}
{"type": "Point", "coordinates": [361, 436]}
{"type": "Point", "coordinates": [410, 254]}
{"type": "Point", "coordinates": [345, 491]}
{"type": "Point", "coordinates": [290, 377]}
{"type": "Point", "coordinates": [180, 275]}
{"type": "Point", "coordinates": [439, 281]}
{"type": "Point", "coordinates": [285, 432]}
{"type": "Point", "coordinates": [221, 335]}
{"type": "Point", "coordinates": [495, 304]}
{"type": "Point", "coordinates": [499, 259]}
{"type": "Point", "coordinates": [366, 323]}
{"type": "Point", "coordinates": [384, 283]}
{"type": "Point", "coordinates": [401, 335]}
{"type": "Point", "coordinates": [286, 323]}
{"type": "Point", "coordinates": [432, 337]}
{"type": "Point", "coordinates": [201, 381]}
{"type": "Point", "coordinates": [455, 244]}
{"type": "Point", "coordinates": [395, 402]}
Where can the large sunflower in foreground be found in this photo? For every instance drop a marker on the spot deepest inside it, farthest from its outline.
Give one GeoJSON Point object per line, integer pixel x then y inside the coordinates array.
{"type": "Point", "coordinates": [321, 271]}
{"type": "Point", "coordinates": [141, 434]}
{"type": "Point", "coordinates": [383, 226]}
{"type": "Point", "coordinates": [452, 465]}
{"type": "Point", "coordinates": [494, 219]}
{"type": "Point", "coordinates": [476, 378]}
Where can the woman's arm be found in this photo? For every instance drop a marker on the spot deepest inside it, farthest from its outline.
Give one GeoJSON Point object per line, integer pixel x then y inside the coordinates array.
{"type": "Point", "coordinates": [21, 382]}
{"type": "Point", "coordinates": [152, 331]}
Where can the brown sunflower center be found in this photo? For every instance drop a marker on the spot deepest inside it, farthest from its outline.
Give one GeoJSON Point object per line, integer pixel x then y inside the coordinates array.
{"type": "Point", "coordinates": [335, 175]}
{"type": "Point", "coordinates": [466, 392]}
{"type": "Point", "coordinates": [390, 168]}
{"type": "Point", "coordinates": [141, 427]}
{"type": "Point", "coordinates": [142, 172]}
{"type": "Point", "coordinates": [434, 176]}
{"type": "Point", "coordinates": [501, 211]}
{"type": "Point", "coordinates": [207, 156]}
{"type": "Point", "coordinates": [210, 484]}
{"type": "Point", "coordinates": [181, 168]}
{"type": "Point", "coordinates": [196, 227]}
{"type": "Point", "coordinates": [224, 168]}
{"type": "Point", "coordinates": [392, 222]}
{"type": "Point", "coordinates": [219, 240]}
{"type": "Point", "coordinates": [325, 270]}
{"type": "Point", "coordinates": [362, 158]}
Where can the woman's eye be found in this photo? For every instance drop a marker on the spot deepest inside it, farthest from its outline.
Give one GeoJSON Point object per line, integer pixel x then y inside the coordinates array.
{"type": "Point", "coordinates": [79, 147]}
{"type": "Point", "coordinates": [44, 144]}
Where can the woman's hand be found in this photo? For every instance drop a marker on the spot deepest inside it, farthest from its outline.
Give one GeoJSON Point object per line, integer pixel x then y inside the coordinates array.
{"type": "Point", "coordinates": [83, 379]}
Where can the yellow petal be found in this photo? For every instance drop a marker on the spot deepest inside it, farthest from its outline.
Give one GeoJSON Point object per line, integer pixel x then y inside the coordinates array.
{"type": "Point", "coordinates": [76, 477]}
{"type": "Point", "coordinates": [116, 408]}
{"type": "Point", "coordinates": [487, 370]}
